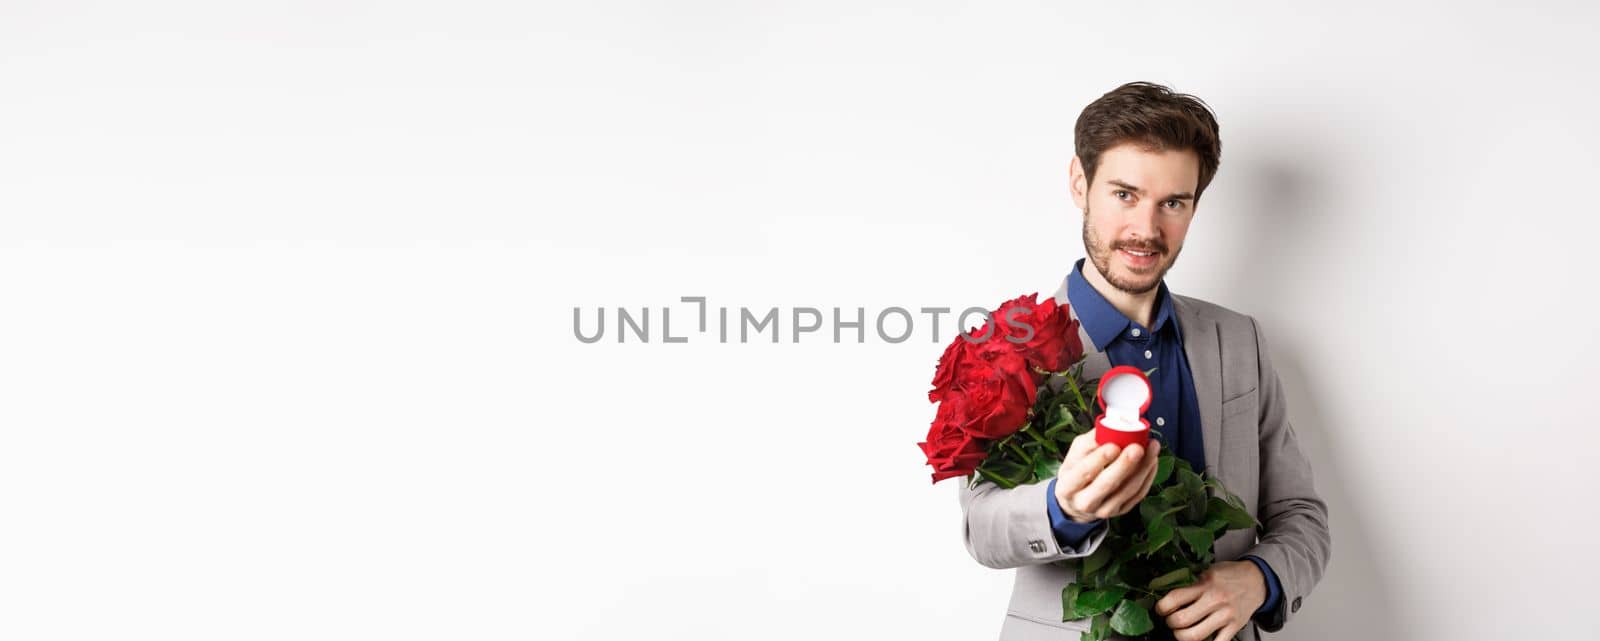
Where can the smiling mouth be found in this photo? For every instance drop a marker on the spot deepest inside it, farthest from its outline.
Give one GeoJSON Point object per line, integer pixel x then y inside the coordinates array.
{"type": "Point", "coordinates": [1139, 259]}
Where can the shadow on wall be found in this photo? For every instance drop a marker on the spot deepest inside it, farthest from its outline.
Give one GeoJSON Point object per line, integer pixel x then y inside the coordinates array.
{"type": "Point", "coordinates": [1284, 211]}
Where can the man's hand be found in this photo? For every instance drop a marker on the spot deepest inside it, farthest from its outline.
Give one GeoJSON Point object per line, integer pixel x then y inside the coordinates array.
{"type": "Point", "coordinates": [1106, 481]}
{"type": "Point", "coordinates": [1227, 594]}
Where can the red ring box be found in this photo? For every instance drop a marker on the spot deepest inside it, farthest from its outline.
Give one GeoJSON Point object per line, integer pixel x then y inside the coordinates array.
{"type": "Point", "coordinates": [1128, 391]}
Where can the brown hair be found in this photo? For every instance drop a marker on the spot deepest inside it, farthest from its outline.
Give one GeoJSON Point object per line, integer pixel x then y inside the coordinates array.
{"type": "Point", "coordinates": [1154, 117]}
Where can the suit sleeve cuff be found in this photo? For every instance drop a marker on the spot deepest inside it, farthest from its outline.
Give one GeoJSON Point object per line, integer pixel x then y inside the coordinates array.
{"type": "Point", "coordinates": [1069, 533]}
{"type": "Point", "coordinates": [1274, 589]}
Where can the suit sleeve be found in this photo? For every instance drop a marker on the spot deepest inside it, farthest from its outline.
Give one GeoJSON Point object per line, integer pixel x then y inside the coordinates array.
{"type": "Point", "coordinates": [1007, 528]}
{"type": "Point", "coordinates": [1069, 533]}
{"type": "Point", "coordinates": [1293, 537]}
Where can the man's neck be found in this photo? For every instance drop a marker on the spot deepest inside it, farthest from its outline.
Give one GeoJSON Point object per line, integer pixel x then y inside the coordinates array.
{"type": "Point", "coordinates": [1139, 308]}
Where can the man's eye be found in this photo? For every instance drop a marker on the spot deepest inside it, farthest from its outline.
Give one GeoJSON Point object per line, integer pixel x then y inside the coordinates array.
{"type": "Point", "coordinates": [1121, 194]}
{"type": "Point", "coordinates": [1175, 204]}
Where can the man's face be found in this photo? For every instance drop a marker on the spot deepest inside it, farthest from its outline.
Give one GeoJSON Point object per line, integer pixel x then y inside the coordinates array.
{"type": "Point", "coordinates": [1136, 212]}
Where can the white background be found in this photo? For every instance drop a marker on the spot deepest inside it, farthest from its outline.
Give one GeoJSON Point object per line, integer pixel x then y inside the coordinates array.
{"type": "Point", "coordinates": [286, 298]}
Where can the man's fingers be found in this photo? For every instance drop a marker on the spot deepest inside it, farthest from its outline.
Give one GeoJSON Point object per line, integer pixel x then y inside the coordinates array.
{"type": "Point", "coordinates": [1072, 480]}
{"type": "Point", "coordinates": [1125, 496]}
{"type": "Point", "coordinates": [1191, 615]}
{"type": "Point", "coordinates": [1229, 631]}
{"type": "Point", "coordinates": [1200, 631]}
{"type": "Point", "coordinates": [1137, 485]}
{"type": "Point", "coordinates": [1076, 475]}
{"type": "Point", "coordinates": [1081, 447]}
{"type": "Point", "coordinates": [1179, 598]}
{"type": "Point", "coordinates": [1140, 483]}
{"type": "Point", "coordinates": [1093, 498]}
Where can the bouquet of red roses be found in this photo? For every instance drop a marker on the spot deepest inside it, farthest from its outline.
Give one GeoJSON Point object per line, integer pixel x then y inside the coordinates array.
{"type": "Point", "coordinates": [988, 382]}
{"type": "Point", "coordinates": [1011, 399]}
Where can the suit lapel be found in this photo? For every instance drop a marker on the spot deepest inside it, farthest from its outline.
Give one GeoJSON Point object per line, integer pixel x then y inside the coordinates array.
{"type": "Point", "coordinates": [1202, 344]}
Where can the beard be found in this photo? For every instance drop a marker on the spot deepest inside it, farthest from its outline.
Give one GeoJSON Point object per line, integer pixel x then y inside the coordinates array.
{"type": "Point", "coordinates": [1101, 256]}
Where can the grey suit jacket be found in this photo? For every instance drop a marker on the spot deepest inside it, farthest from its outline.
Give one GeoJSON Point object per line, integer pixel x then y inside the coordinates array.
{"type": "Point", "coordinates": [1249, 445]}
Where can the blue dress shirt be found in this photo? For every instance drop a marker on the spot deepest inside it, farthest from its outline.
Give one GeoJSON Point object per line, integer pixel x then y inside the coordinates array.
{"type": "Point", "coordinates": [1174, 412]}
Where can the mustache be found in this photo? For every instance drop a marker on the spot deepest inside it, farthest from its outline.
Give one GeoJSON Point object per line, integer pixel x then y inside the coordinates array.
{"type": "Point", "coordinates": [1147, 246]}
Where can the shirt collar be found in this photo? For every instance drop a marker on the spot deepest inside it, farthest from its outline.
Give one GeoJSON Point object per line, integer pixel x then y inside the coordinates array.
{"type": "Point", "coordinates": [1101, 320]}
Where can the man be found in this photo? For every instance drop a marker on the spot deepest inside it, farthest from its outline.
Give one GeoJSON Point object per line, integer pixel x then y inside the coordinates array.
{"type": "Point", "coordinates": [1144, 156]}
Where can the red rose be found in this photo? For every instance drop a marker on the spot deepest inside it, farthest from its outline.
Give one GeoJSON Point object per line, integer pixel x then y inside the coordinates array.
{"type": "Point", "coordinates": [1055, 345]}
{"type": "Point", "coordinates": [945, 376]}
{"type": "Point", "coordinates": [998, 390]}
{"type": "Point", "coordinates": [1047, 332]}
{"type": "Point", "coordinates": [950, 451]}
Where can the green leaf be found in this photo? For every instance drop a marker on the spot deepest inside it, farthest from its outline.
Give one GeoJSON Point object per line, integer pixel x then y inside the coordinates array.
{"type": "Point", "coordinates": [1190, 481]}
{"type": "Point", "coordinates": [1232, 499]}
{"type": "Point", "coordinates": [1196, 509]}
{"type": "Point", "coordinates": [1163, 469]}
{"type": "Point", "coordinates": [1161, 536]}
{"type": "Point", "coordinates": [1151, 509]}
{"type": "Point", "coordinates": [1131, 619]}
{"type": "Point", "coordinates": [1198, 538]}
{"type": "Point", "coordinates": [1069, 602]}
{"type": "Point", "coordinates": [1176, 578]}
{"type": "Point", "coordinates": [1016, 447]}
{"type": "Point", "coordinates": [1100, 628]}
{"type": "Point", "coordinates": [1115, 569]}
{"type": "Point", "coordinates": [1017, 470]}
{"type": "Point", "coordinates": [1094, 562]}
{"type": "Point", "coordinates": [1155, 526]}
{"type": "Point", "coordinates": [1194, 493]}
{"type": "Point", "coordinates": [1046, 467]}
{"type": "Point", "coordinates": [1157, 511]}
{"type": "Point", "coordinates": [1091, 602]}
{"type": "Point", "coordinates": [1063, 416]}
{"type": "Point", "coordinates": [1236, 517]}
{"type": "Point", "coordinates": [996, 478]}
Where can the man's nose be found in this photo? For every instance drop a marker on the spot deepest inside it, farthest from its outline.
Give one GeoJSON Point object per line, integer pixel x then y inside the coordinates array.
{"type": "Point", "coordinates": [1142, 220]}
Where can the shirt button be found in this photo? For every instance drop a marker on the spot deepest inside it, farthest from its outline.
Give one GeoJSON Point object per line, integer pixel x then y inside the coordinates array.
{"type": "Point", "coordinates": [1135, 331]}
{"type": "Point", "coordinates": [1160, 421]}
{"type": "Point", "coordinates": [1148, 354]}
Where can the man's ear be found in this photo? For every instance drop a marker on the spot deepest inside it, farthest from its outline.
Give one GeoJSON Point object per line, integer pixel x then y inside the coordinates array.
{"type": "Point", "coordinates": [1079, 184]}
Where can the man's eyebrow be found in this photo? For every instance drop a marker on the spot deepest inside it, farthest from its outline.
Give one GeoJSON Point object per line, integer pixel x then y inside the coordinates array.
{"type": "Point", "coordinates": [1182, 195]}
